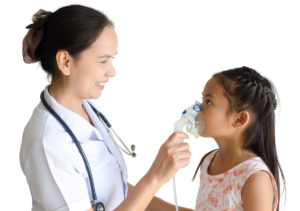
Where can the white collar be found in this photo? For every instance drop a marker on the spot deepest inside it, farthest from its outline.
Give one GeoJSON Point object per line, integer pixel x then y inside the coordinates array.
{"type": "Point", "coordinates": [83, 130]}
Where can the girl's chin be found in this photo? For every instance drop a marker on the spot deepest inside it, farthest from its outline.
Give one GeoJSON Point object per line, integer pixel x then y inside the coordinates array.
{"type": "Point", "coordinates": [204, 135]}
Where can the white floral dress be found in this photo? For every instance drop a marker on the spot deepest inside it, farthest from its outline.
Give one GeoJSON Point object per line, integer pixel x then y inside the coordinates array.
{"type": "Point", "coordinates": [223, 192]}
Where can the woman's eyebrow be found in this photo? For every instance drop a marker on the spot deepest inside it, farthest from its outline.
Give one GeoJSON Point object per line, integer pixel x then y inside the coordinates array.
{"type": "Point", "coordinates": [107, 55]}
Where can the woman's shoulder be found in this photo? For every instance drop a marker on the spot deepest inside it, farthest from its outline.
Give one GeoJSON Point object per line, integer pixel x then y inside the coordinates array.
{"type": "Point", "coordinates": [40, 121]}
{"type": "Point", "coordinates": [41, 137]}
{"type": "Point", "coordinates": [40, 128]}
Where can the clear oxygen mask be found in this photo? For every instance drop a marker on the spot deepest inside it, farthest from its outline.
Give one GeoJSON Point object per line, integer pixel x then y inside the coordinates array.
{"type": "Point", "coordinates": [192, 119]}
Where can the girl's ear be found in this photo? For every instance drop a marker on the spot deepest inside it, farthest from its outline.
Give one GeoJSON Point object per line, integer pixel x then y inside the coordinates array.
{"type": "Point", "coordinates": [242, 119]}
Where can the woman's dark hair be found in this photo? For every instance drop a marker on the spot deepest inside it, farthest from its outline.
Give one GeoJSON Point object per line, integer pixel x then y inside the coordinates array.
{"type": "Point", "coordinates": [246, 89]}
{"type": "Point", "coordinates": [72, 28]}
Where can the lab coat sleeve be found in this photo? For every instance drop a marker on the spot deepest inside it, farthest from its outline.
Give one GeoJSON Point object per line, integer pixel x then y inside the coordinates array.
{"type": "Point", "coordinates": [54, 182]}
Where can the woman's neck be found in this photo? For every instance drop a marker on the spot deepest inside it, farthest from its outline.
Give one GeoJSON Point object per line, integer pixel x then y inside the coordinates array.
{"type": "Point", "coordinates": [65, 96]}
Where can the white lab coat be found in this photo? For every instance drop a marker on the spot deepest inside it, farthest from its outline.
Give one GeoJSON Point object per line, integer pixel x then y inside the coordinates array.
{"type": "Point", "coordinates": [54, 169]}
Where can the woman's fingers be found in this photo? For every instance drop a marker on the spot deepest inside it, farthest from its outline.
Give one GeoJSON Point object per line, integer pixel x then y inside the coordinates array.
{"type": "Point", "coordinates": [170, 158]}
{"type": "Point", "coordinates": [181, 157]}
{"type": "Point", "coordinates": [175, 137]}
{"type": "Point", "coordinates": [184, 154]}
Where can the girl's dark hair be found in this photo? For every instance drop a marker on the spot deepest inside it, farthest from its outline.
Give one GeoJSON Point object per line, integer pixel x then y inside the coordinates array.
{"type": "Point", "coordinates": [246, 89]}
{"type": "Point", "coordinates": [72, 28]}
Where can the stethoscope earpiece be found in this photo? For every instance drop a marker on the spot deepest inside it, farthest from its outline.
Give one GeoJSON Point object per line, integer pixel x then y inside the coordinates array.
{"type": "Point", "coordinates": [132, 147]}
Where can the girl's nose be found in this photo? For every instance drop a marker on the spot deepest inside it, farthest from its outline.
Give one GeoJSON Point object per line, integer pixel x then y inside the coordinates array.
{"type": "Point", "coordinates": [201, 107]}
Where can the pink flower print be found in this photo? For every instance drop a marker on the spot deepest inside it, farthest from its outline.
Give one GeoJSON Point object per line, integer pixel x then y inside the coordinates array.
{"type": "Point", "coordinates": [227, 189]}
{"type": "Point", "coordinates": [198, 206]}
{"type": "Point", "coordinates": [238, 172]}
{"type": "Point", "coordinates": [213, 201]}
{"type": "Point", "coordinates": [219, 179]}
{"type": "Point", "coordinates": [226, 203]}
{"type": "Point", "coordinates": [209, 180]}
{"type": "Point", "coordinates": [239, 187]}
{"type": "Point", "coordinates": [202, 186]}
{"type": "Point", "coordinates": [226, 173]}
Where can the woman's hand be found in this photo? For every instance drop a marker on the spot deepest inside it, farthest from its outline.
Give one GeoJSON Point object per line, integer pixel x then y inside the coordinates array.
{"type": "Point", "coordinates": [170, 158]}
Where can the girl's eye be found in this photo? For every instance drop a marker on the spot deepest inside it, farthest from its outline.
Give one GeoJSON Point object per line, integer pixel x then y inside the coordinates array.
{"type": "Point", "coordinates": [208, 102]}
{"type": "Point", "coordinates": [103, 62]}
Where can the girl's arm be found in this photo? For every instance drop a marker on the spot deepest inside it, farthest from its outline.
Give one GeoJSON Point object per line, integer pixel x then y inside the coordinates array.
{"type": "Point", "coordinates": [257, 193]}
{"type": "Point", "coordinates": [170, 158]}
{"type": "Point", "coordinates": [158, 204]}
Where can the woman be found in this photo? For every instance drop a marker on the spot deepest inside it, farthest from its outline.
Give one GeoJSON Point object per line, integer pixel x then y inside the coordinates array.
{"type": "Point", "coordinates": [75, 46]}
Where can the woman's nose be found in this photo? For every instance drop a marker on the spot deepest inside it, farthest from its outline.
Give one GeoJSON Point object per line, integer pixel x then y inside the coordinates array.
{"type": "Point", "coordinates": [111, 72]}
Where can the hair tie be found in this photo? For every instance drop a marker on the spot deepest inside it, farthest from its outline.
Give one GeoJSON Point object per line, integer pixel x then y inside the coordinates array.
{"type": "Point", "coordinates": [34, 35]}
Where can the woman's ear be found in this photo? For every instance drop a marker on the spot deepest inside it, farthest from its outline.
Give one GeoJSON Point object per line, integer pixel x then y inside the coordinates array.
{"type": "Point", "coordinates": [242, 119]}
{"type": "Point", "coordinates": [63, 61]}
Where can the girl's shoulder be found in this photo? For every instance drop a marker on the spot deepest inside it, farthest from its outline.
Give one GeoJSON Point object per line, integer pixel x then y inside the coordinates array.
{"type": "Point", "coordinates": [259, 190]}
{"type": "Point", "coordinates": [207, 158]}
{"type": "Point", "coordinates": [245, 168]}
{"type": "Point", "coordinates": [230, 184]}
{"type": "Point", "coordinates": [258, 183]}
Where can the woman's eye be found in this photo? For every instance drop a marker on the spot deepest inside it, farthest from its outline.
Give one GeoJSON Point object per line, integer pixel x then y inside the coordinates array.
{"type": "Point", "coordinates": [103, 62]}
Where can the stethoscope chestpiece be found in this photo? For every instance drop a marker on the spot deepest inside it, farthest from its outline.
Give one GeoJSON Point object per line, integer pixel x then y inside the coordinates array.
{"type": "Point", "coordinates": [99, 207]}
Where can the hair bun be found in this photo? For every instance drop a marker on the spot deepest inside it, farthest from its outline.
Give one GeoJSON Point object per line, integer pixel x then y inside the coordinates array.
{"type": "Point", "coordinates": [34, 35]}
{"type": "Point", "coordinates": [39, 19]}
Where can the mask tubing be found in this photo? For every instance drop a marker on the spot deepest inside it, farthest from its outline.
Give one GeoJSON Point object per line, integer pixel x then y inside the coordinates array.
{"type": "Point", "coordinates": [178, 128]}
{"type": "Point", "coordinates": [175, 193]}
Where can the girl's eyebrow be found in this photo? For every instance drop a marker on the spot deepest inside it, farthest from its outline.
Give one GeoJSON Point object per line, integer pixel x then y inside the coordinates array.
{"type": "Point", "coordinates": [208, 95]}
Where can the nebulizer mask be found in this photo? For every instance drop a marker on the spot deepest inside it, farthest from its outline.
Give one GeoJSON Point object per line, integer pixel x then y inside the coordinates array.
{"type": "Point", "coordinates": [192, 126]}
{"type": "Point", "coordinates": [188, 120]}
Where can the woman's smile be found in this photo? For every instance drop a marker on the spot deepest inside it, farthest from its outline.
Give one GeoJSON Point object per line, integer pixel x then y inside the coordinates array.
{"type": "Point", "coordinates": [101, 85]}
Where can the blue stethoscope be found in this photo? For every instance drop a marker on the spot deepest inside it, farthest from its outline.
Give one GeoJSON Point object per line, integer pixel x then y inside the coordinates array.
{"type": "Point", "coordinates": [97, 206]}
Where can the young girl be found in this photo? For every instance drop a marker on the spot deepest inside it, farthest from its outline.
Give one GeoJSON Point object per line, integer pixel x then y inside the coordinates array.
{"type": "Point", "coordinates": [243, 174]}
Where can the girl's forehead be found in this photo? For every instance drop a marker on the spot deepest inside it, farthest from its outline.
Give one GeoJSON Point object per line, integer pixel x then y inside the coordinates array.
{"type": "Point", "coordinates": [213, 88]}
{"type": "Point", "coordinates": [215, 92]}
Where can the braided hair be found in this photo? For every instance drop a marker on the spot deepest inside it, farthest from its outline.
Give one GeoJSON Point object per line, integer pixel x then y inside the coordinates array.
{"type": "Point", "coordinates": [246, 89]}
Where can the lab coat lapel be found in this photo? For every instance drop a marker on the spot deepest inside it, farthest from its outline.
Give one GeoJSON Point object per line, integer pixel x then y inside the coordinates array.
{"type": "Point", "coordinates": [80, 127]}
{"type": "Point", "coordinates": [108, 139]}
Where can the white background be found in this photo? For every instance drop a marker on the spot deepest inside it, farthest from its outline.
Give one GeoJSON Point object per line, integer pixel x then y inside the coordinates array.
{"type": "Point", "coordinates": [167, 52]}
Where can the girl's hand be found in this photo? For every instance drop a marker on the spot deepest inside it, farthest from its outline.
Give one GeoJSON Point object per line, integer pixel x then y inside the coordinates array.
{"type": "Point", "coordinates": [170, 158]}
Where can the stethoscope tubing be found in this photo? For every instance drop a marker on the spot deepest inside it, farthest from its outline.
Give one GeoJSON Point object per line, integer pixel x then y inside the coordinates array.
{"type": "Point", "coordinates": [109, 127]}
{"type": "Point", "coordinates": [75, 140]}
